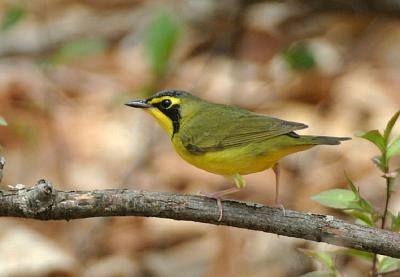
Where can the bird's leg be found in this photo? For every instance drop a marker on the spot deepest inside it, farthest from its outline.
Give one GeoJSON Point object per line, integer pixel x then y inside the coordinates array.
{"type": "Point", "coordinates": [239, 182]}
{"type": "Point", "coordinates": [217, 196]}
{"type": "Point", "coordinates": [277, 170]}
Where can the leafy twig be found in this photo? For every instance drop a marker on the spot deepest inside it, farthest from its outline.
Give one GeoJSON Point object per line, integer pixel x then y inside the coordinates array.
{"type": "Point", "coordinates": [383, 164]}
{"type": "Point", "coordinates": [352, 203]}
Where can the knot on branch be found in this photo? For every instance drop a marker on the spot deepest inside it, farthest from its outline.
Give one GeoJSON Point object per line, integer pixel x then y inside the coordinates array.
{"type": "Point", "coordinates": [38, 198]}
{"type": "Point", "coordinates": [2, 163]}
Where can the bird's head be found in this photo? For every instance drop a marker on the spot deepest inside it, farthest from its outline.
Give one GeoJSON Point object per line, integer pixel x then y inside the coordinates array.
{"type": "Point", "coordinates": [166, 107]}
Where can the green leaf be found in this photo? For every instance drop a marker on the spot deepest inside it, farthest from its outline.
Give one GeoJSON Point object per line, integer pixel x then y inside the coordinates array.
{"type": "Point", "coordinates": [299, 57]}
{"type": "Point", "coordinates": [77, 49]}
{"type": "Point", "coordinates": [364, 217]}
{"type": "Point", "coordinates": [337, 198]}
{"type": "Point", "coordinates": [389, 126]}
{"type": "Point", "coordinates": [386, 264]}
{"type": "Point", "coordinates": [318, 274]}
{"type": "Point", "coordinates": [13, 15]}
{"type": "Point", "coordinates": [378, 161]}
{"type": "Point", "coordinates": [375, 137]}
{"type": "Point", "coordinates": [360, 254]}
{"type": "Point", "coordinates": [393, 148]}
{"type": "Point", "coordinates": [3, 122]}
{"type": "Point", "coordinates": [161, 38]}
{"type": "Point", "coordinates": [323, 257]}
{"type": "Point", "coordinates": [351, 184]}
{"type": "Point", "coordinates": [362, 203]}
{"type": "Point", "coordinates": [366, 205]}
{"type": "Point", "coordinates": [395, 225]}
{"type": "Point", "coordinates": [25, 130]}
{"type": "Point", "coordinates": [392, 184]}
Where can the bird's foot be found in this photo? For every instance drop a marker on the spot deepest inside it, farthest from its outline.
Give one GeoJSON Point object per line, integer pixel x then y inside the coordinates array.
{"type": "Point", "coordinates": [280, 206]}
{"type": "Point", "coordinates": [217, 196]}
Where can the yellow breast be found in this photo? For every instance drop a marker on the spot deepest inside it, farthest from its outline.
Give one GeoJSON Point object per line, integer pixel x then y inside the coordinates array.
{"type": "Point", "coordinates": [236, 160]}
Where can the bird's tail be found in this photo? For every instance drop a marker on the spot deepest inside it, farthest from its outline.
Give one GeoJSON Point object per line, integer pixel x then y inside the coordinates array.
{"type": "Point", "coordinates": [315, 140]}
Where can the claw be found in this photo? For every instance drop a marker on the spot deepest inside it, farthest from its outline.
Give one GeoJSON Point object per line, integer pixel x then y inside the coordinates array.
{"type": "Point", "coordinates": [220, 209]}
{"type": "Point", "coordinates": [279, 205]}
{"type": "Point", "coordinates": [217, 196]}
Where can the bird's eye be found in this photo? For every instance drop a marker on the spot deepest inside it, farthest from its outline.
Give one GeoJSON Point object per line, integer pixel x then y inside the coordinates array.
{"type": "Point", "coordinates": [166, 103]}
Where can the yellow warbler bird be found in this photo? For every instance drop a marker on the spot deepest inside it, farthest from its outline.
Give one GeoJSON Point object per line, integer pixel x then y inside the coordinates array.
{"type": "Point", "coordinates": [227, 140]}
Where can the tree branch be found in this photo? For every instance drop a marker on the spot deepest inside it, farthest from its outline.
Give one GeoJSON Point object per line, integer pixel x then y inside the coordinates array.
{"type": "Point", "coordinates": [46, 203]}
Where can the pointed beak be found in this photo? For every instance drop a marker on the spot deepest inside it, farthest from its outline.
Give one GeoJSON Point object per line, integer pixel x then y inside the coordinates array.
{"type": "Point", "coordinates": [138, 104]}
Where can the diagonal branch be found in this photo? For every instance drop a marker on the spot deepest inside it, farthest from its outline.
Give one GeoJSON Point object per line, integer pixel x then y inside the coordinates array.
{"type": "Point", "coordinates": [46, 203]}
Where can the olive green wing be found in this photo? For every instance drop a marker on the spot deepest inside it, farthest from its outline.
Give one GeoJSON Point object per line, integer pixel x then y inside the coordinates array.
{"type": "Point", "coordinates": [217, 129]}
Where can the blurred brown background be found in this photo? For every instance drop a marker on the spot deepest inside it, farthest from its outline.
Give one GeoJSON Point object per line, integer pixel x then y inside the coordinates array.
{"type": "Point", "coordinates": [67, 67]}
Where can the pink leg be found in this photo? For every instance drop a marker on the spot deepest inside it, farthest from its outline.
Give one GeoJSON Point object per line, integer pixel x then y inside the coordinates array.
{"type": "Point", "coordinates": [217, 196]}
{"type": "Point", "coordinates": [277, 171]}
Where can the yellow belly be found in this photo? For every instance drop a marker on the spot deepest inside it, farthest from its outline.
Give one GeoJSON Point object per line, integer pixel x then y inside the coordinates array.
{"type": "Point", "coordinates": [236, 160]}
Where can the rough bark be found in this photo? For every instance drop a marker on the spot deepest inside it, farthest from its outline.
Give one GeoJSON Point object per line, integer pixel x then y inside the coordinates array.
{"type": "Point", "coordinates": [44, 202]}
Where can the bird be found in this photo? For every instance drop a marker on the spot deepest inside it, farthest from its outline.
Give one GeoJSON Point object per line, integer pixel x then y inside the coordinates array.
{"type": "Point", "coordinates": [225, 139]}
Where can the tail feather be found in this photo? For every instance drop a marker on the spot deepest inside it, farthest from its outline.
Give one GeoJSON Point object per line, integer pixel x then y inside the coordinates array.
{"type": "Point", "coordinates": [323, 140]}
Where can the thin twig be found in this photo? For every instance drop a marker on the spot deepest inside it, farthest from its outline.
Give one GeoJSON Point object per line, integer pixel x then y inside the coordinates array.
{"type": "Point", "coordinates": [385, 212]}
{"type": "Point", "coordinates": [374, 272]}
{"type": "Point", "coordinates": [46, 203]}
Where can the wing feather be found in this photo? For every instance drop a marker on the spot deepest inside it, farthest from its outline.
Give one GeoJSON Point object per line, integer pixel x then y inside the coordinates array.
{"type": "Point", "coordinates": [217, 129]}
